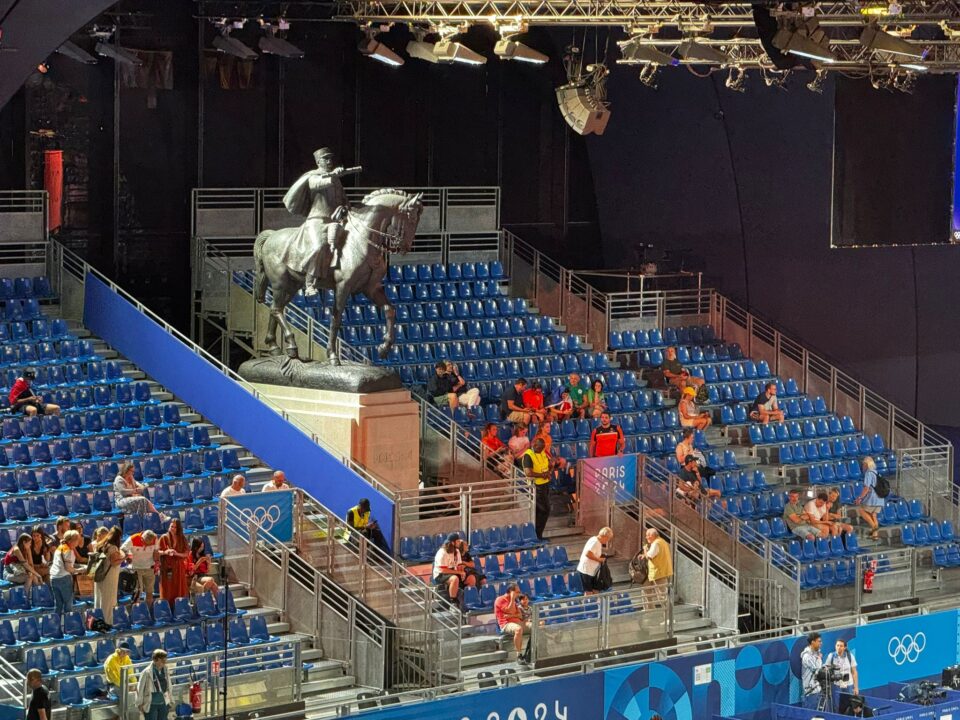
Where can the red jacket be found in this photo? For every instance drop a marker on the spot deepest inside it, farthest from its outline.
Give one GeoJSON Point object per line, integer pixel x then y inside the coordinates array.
{"type": "Point", "coordinates": [20, 388]}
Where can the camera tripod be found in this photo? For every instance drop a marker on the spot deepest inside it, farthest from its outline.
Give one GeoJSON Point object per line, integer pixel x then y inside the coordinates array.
{"type": "Point", "coordinates": [826, 704]}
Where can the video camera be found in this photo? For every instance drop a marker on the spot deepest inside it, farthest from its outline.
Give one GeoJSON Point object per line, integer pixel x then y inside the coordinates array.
{"type": "Point", "coordinates": [828, 674]}
{"type": "Point", "coordinates": [924, 692]}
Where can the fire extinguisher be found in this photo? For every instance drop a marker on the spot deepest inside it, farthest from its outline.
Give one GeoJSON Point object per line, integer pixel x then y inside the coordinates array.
{"type": "Point", "coordinates": [868, 576]}
{"type": "Point", "coordinates": [196, 696]}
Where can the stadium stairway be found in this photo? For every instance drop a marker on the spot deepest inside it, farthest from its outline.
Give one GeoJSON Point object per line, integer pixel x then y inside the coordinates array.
{"type": "Point", "coordinates": [323, 680]}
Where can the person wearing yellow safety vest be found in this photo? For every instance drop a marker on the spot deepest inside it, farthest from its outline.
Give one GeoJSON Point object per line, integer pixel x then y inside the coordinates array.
{"type": "Point", "coordinates": [538, 466]}
{"type": "Point", "coordinates": [659, 561]}
{"type": "Point", "coordinates": [358, 517]}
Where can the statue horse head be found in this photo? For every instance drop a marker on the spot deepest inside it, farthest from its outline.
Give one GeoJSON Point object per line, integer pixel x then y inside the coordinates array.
{"type": "Point", "coordinates": [391, 216]}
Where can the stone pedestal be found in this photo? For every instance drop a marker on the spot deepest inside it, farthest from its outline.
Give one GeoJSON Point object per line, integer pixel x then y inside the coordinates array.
{"type": "Point", "coordinates": [380, 430]}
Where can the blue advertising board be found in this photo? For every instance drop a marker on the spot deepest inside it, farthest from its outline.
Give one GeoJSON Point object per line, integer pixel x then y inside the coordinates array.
{"type": "Point", "coordinates": [621, 469]}
{"type": "Point", "coordinates": [272, 511]}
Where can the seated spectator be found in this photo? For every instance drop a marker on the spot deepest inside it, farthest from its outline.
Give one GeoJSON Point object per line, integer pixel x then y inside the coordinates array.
{"type": "Point", "coordinates": [591, 558]}
{"type": "Point", "coordinates": [141, 550]}
{"type": "Point", "coordinates": [818, 510]}
{"type": "Point", "coordinates": [277, 482]}
{"type": "Point", "coordinates": [563, 409]}
{"type": "Point", "coordinates": [499, 457]}
{"type": "Point", "coordinates": [128, 493]}
{"type": "Point", "coordinates": [692, 485]}
{"type": "Point", "coordinates": [236, 487]}
{"type": "Point", "coordinates": [519, 443]}
{"type": "Point", "coordinates": [685, 447]}
{"type": "Point", "coordinates": [533, 401]}
{"type": "Point", "coordinates": [606, 438]}
{"type": "Point", "coordinates": [523, 605]}
{"type": "Point", "coordinates": [472, 577]}
{"type": "Point", "coordinates": [510, 620]}
{"type": "Point", "coordinates": [440, 387]}
{"type": "Point", "coordinates": [577, 391]}
{"type": "Point", "coordinates": [836, 513]}
{"type": "Point", "coordinates": [462, 395]}
{"type": "Point", "coordinates": [199, 569]}
{"type": "Point", "coordinates": [765, 407]}
{"type": "Point", "coordinates": [594, 401]}
{"type": "Point", "coordinates": [447, 568]}
{"type": "Point", "coordinates": [674, 373]}
{"type": "Point", "coordinates": [869, 504]}
{"type": "Point", "coordinates": [511, 404]}
{"type": "Point", "coordinates": [41, 551]}
{"type": "Point", "coordinates": [116, 661]}
{"type": "Point", "coordinates": [23, 400]}
{"type": "Point", "coordinates": [797, 520]}
{"type": "Point", "coordinates": [690, 415]}
{"type": "Point", "coordinates": [17, 566]}
{"type": "Point", "coordinates": [358, 517]}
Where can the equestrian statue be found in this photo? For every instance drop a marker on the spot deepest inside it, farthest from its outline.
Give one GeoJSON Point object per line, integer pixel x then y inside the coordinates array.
{"type": "Point", "coordinates": [337, 247]}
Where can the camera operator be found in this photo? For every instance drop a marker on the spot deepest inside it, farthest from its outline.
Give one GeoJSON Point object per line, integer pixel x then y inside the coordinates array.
{"type": "Point", "coordinates": [846, 666]}
{"type": "Point", "coordinates": [810, 664]}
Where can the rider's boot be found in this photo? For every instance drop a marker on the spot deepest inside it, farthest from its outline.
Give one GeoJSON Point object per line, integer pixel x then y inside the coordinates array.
{"type": "Point", "coordinates": [310, 285]}
{"type": "Point", "coordinates": [334, 254]}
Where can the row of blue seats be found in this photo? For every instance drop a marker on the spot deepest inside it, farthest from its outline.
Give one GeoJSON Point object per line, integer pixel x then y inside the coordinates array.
{"type": "Point", "coordinates": [614, 382]}
{"type": "Point", "coordinates": [105, 447]}
{"type": "Point", "coordinates": [15, 512]}
{"type": "Point", "coordinates": [41, 329]}
{"type": "Point", "coordinates": [700, 354]}
{"type": "Point", "coordinates": [494, 539]}
{"type": "Point", "coordinates": [900, 510]}
{"type": "Point", "coordinates": [70, 375]}
{"type": "Point", "coordinates": [641, 339]}
{"type": "Point", "coordinates": [729, 372]}
{"type": "Point", "coordinates": [449, 271]}
{"type": "Point", "coordinates": [47, 352]}
{"type": "Point", "coordinates": [931, 533]}
{"type": "Point", "coordinates": [538, 369]}
{"type": "Point", "coordinates": [103, 396]}
{"type": "Point", "coordinates": [441, 290]}
{"type": "Point", "coordinates": [539, 589]}
{"type": "Point", "coordinates": [773, 528]}
{"type": "Point", "coordinates": [827, 472]}
{"type": "Point", "coordinates": [156, 421]}
{"type": "Point", "coordinates": [526, 563]}
{"type": "Point", "coordinates": [783, 432]}
{"type": "Point", "coordinates": [837, 449]}
{"type": "Point", "coordinates": [22, 288]}
{"type": "Point", "coordinates": [793, 408]}
{"type": "Point", "coordinates": [768, 505]}
{"type": "Point", "coordinates": [472, 351]}
{"type": "Point", "coordinates": [740, 391]}
{"type": "Point", "coordinates": [830, 574]}
{"type": "Point", "coordinates": [723, 460]}
{"type": "Point", "coordinates": [13, 310]}
{"type": "Point", "coordinates": [831, 548]}
{"type": "Point", "coordinates": [946, 556]}
{"type": "Point", "coordinates": [450, 310]}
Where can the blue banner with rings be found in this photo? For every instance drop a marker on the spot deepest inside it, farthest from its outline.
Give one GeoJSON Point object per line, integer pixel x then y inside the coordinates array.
{"type": "Point", "coordinates": [272, 511]}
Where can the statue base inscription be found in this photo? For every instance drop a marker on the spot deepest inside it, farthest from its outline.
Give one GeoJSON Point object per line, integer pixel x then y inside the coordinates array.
{"type": "Point", "coordinates": [351, 378]}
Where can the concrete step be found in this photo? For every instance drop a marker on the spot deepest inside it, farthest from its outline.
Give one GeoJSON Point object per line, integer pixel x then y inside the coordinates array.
{"type": "Point", "coordinates": [312, 687]}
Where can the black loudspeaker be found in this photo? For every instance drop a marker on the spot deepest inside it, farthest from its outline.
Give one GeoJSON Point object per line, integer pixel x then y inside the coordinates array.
{"type": "Point", "coordinates": [582, 110]}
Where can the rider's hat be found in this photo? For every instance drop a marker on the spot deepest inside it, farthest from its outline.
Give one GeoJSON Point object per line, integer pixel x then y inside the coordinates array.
{"type": "Point", "coordinates": [322, 153]}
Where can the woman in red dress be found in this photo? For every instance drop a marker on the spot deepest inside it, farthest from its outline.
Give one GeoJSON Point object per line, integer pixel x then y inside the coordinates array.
{"type": "Point", "coordinates": [174, 556]}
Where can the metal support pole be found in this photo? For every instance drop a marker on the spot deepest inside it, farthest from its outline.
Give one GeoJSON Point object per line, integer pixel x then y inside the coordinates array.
{"type": "Point", "coordinates": [284, 591]}
{"type": "Point", "coordinates": [252, 535]}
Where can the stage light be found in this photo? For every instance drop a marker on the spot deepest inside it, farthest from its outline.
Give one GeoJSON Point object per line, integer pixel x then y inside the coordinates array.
{"type": "Point", "coordinates": [270, 44]}
{"type": "Point", "coordinates": [376, 50]}
{"type": "Point", "coordinates": [648, 75]}
{"type": "Point", "coordinates": [807, 40]}
{"type": "Point", "coordinates": [816, 85]}
{"type": "Point", "coordinates": [695, 51]}
{"type": "Point", "coordinates": [508, 49]}
{"type": "Point", "coordinates": [450, 51]}
{"type": "Point", "coordinates": [43, 68]}
{"type": "Point", "coordinates": [875, 39]}
{"type": "Point", "coordinates": [124, 57]}
{"type": "Point", "coordinates": [422, 51]}
{"type": "Point", "coordinates": [633, 52]}
{"type": "Point", "coordinates": [775, 79]}
{"type": "Point", "coordinates": [76, 53]}
{"type": "Point", "coordinates": [736, 79]}
{"type": "Point", "coordinates": [231, 46]}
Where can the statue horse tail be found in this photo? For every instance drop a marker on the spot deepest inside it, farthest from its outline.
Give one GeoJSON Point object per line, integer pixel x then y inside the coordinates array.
{"type": "Point", "coordinates": [260, 277]}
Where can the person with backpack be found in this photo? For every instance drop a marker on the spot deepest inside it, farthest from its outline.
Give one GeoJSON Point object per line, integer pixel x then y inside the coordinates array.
{"type": "Point", "coordinates": [62, 571]}
{"type": "Point", "coordinates": [870, 502]}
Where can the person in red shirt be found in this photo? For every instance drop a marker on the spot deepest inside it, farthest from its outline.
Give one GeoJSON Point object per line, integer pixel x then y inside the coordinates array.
{"type": "Point", "coordinates": [22, 399]}
{"type": "Point", "coordinates": [510, 619]}
{"type": "Point", "coordinates": [499, 457]}
{"type": "Point", "coordinates": [533, 400]}
{"type": "Point", "coordinates": [606, 438]}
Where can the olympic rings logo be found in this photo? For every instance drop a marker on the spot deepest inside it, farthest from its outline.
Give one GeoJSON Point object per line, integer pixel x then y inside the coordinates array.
{"type": "Point", "coordinates": [906, 649]}
{"type": "Point", "coordinates": [264, 517]}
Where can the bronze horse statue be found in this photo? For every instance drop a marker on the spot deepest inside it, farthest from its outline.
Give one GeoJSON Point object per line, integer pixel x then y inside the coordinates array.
{"type": "Point", "coordinates": [385, 222]}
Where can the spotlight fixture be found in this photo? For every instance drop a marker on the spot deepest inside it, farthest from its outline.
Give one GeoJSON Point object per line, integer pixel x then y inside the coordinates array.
{"type": "Point", "coordinates": [270, 44]}
{"type": "Point", "coordinates": [806, 40]}
{"type": "Point", "coordinates": [231, 46]}
{"type": "Point", "coordinates": [904, 82]}
{"type": "Point", "coordinates": [509, 49]}
{"type": "Point", "coordinates": [775, 79]}
{"type": "Point", "coordinates": [450, 51]}
{"type": "Point", "coordinates": [875, 39]}
{"type": "Point", "coordinates": [422, 51]}
{"type": "Point", "coordinates": [634, 52]}
{"type": "Point", "coordinates": [816, 85]}
{"type": "Point", "coordinates": [376, 50]}
{"type": "Point", "coordinates": [648, 75]}
{"type": "Point", "coordinates": [695, 51]}
{"type": "Point", "coordinates": [76, 53]}
{"type": "Point", "coordinates": [43, 68]}
{"type": "Point", "coordinates": [119, 54]}
{"type": "Point", "coordinates": [736, 79]}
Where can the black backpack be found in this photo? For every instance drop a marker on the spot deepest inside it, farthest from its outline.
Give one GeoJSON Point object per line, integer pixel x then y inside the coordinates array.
{"type": "Point", "coordinates": [882, 488]}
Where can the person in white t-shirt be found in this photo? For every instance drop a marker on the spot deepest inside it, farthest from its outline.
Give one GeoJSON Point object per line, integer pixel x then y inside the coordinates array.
{"type": "Point", "coordinates": [448, 568]}
{"type": "Point", "coordinates": [844, 661]}
{"type": "Point", "coordinates": [236, 487]}
{"type": "Point", "coordinates": [818, 510]}
{"type": "Point", "coordinates": [591, 558]}
{"type": "Point", "coordinates": [277, 482]}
